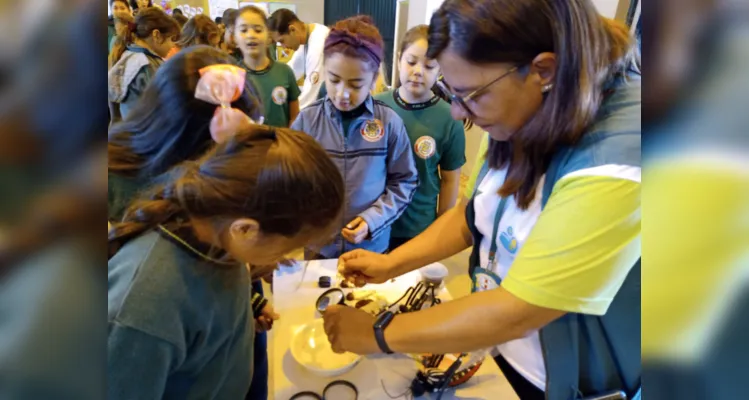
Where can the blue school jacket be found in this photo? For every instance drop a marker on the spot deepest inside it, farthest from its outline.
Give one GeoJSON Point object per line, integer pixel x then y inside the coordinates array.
{"type": "Point", "coordinates": [377, 165]}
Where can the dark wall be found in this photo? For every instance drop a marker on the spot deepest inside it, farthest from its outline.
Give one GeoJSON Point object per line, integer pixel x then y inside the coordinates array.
{"type": "Point", "coordinates": [381, 11]}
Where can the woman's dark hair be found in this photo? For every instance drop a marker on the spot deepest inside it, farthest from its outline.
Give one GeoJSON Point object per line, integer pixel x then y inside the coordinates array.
{"type": "Point", "coordinates": [219, 20]}
{"type": "Point", "coordinates": [413, 35]}
{"type": "Point", "coordinates": [281, 178]}
{"type": "Point", "coordinates": [144, 24]}
{"type": "Point", "coordinates": [590, 50]}
{"type": "Point", "coordinates": [280, 20]}
{"type": "Point", "coordinates": [134, 4]}
{"type": "Point", "coordinates": [356, 37]}
{"type": "Point", "coordinates": [181, 20]}
{"type": "Point", "coordinates": [168, 124]}
{"type": "Point", "coordinates": [177, 11]}
{"type": "Point", "coordinates": [198, 30]}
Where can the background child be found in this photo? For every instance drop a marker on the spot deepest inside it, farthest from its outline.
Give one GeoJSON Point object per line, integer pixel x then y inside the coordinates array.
{"type": "Point", "coordinates": [120, 9]}
{"type": "Point", "coordinates": [136, 56]}
{"type": "Point", "coordinates": [437, 140]}
{"type": "Point", "coordinates": [365, 137]}
{"type": "Point", "coordinates": [199, 30]}
{"type": "Point", "coordinates": [178, 309]}
{"type": "Point", "coordinates": [274, 80]}
{"type": "Point", "coordinates": [140, 5]}
{"type": "Point", "coordinates": [228, 45]}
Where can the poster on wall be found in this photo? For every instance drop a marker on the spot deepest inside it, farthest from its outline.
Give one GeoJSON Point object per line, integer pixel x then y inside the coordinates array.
{"type": "Point", "coordinates": [217, 7]}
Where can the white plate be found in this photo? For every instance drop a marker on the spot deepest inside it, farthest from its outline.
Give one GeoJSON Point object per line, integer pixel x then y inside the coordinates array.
{"type": "Point", "coordinates": [311, 349]}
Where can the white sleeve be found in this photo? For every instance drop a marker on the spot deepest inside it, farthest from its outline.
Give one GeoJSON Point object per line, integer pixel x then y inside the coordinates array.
{"type": "Point", "coordinates": [314, 79]}
{"type": "Point", "coordinates": [297, 63]}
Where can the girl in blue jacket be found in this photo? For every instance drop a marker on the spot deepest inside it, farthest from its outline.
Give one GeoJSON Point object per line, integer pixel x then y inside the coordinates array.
{"type": "Point", "coordinates": [366, 139]}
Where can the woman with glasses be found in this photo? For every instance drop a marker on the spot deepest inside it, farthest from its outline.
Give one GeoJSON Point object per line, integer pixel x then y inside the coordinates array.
{"type": "Point", "coordinates": [555, 220]}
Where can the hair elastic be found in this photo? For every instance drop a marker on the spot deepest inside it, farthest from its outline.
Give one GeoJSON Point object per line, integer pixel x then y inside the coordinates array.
{"type": "Point", "coordinates": [223, 84]}
{"type": "Point", "coordinates": [337, 36]}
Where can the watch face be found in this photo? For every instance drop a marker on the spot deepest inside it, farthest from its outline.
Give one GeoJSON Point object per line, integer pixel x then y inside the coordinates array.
{"type": "Point", "coordinates": [383, 320]}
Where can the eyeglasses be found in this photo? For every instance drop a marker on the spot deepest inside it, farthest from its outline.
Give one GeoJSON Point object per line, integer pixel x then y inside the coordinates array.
{"type": "Point", "coordinates": [463, 101]}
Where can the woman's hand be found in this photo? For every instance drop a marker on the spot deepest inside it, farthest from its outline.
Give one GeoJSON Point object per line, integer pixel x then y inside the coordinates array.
{"type": "Point", "coordinates": [350, 329]}
{"type": "Point", "coordinates": [361, 267]}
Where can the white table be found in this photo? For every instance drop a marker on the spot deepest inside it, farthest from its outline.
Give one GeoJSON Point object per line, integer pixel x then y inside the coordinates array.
{"type": "Point", "coordinates": [294, 296]}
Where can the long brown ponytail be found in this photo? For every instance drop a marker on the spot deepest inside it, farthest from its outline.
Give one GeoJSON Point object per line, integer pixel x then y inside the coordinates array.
{"type": "Point", "coordinates": [281, 178]}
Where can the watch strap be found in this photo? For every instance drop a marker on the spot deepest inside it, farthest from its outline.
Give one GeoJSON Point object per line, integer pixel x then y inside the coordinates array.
{"type": "Point", "coordinates": [379, 332]}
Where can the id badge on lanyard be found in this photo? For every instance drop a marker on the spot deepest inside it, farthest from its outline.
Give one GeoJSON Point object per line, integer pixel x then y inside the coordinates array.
{"type": "Point", "coordinates": [491, 265]}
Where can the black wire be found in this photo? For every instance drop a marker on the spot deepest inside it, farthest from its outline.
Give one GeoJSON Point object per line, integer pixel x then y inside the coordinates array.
{"type": "Point", "coordinates": [402, 297]}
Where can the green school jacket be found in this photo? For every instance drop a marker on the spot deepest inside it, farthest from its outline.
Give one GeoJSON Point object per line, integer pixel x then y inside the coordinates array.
{"type": "Point", "coordinates": [438, 143]}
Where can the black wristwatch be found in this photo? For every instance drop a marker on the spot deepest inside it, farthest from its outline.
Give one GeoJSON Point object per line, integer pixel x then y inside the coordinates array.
{"type": "Point", "coordinates": [379, 330]}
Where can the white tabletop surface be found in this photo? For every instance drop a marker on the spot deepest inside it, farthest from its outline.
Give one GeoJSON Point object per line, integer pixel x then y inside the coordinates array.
{"type": "Point", "coordinates": [294, 296]}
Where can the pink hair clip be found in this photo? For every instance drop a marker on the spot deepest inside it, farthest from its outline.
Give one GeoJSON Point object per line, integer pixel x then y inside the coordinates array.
{"type": "Point", "coordinates": [222, 85]}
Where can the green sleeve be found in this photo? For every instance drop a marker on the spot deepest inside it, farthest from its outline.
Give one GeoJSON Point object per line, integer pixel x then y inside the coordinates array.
{"type": "Point", "coordinates": [294, 90]}
{"type": "Point", "coordinates": [454, 148]}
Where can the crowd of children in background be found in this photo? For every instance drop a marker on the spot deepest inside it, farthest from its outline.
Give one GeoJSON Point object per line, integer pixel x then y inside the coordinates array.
{"type": "Point", "coordinates": [206, 177]}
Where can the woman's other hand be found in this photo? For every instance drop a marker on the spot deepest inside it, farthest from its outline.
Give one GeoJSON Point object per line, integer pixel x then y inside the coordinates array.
{"type": "Point", "coordinates": [361, 267]}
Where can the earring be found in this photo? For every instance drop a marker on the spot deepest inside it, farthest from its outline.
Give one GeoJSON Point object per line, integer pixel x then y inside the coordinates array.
{"type": "Point", "coordinates": [547, 88]}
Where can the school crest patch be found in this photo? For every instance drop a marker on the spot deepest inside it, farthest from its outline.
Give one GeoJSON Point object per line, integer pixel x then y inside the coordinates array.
{"type": "Point", "coordinates": [279, 95]}
{"type": "Point", "coordinates": [314, 77]}
{"type": "Point", "coordinates": [425, 147]}
{"type": "Point", "coordinates": [373, 131]}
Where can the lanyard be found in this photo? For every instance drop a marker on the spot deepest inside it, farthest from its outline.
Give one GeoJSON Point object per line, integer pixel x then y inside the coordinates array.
{"type": "Point", "coordinates": [497, 218]}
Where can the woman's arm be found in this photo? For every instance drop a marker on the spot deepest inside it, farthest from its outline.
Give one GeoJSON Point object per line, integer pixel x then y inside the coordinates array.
{"type": "Point", "coordinates": [467, 324]}
{"type": "Point", "coordinates": [471, 323]}
{"type": "Point", "coordinates": [447, 236]}
{"type": "Point", "coordinates": [449, 186]}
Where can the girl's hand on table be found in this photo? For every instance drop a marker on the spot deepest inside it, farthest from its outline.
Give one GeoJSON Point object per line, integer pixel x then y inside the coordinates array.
{"type": "Point", "coordinates": [264, 322]}
{"type": "Point", "coordinates": [356, 231]}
